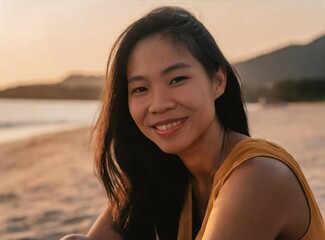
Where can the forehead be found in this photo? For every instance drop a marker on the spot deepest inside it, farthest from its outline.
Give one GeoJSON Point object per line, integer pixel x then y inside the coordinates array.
{"type": "Point", "coordinates": [157, 51]}
{"type": "Point", "coordinates": [158, 41]}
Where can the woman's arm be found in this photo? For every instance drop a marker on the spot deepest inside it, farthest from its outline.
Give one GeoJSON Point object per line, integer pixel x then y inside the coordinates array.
{"type": "Point", "coordinates": [102, 230]}
{"type": "Point", "coordinates": [263, 200]}
{"type": "Point", "coordinates": [75, 237]}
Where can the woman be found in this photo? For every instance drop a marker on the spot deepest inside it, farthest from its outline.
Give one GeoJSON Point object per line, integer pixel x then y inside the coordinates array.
{"type": "Point", "coordinates": [174, 151]}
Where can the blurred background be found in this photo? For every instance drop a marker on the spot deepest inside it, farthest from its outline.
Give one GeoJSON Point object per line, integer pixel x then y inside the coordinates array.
{"type": "Point", "coordinates": [53, 57]}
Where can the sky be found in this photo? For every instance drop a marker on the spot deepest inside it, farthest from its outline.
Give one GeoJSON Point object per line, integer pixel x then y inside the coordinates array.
{"type": "Point", "coordinates": [44, 41]}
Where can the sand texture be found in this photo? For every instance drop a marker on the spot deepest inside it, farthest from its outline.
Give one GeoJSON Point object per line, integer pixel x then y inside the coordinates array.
{"type": "Point", "coordinates": [48, 188]}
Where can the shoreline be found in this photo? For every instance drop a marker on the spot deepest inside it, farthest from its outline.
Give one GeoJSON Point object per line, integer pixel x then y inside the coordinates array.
{"type": "Point", "coordinates": [15, 135]}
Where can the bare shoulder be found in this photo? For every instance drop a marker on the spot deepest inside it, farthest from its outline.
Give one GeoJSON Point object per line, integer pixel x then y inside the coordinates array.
{"type": "Point", "coordinates": [267, 171]}
{"type": "Point", "coordinates": [266, 183]}
{"type": "Point", "coordinates": [260, 201]}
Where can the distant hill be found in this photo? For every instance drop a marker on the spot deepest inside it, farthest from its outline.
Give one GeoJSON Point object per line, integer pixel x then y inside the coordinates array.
{"type": "Point", "coordinates": [73, 87]}
{"type": "Point", "coordinates": [81, 81]}
{"type": "Point", "coordinates": [292, 62]}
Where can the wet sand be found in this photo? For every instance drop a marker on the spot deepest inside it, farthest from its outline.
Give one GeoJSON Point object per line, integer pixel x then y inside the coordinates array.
{"type": "Point", "coordinates": [48, 187]}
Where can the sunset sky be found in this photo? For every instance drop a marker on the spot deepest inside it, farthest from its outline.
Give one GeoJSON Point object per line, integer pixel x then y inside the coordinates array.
{"type": "Point", "coordinates": [44, 41]}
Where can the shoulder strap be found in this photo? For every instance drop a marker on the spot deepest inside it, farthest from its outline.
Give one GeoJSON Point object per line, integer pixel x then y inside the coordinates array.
{"type": "Point", "coordinates": [248, 149]}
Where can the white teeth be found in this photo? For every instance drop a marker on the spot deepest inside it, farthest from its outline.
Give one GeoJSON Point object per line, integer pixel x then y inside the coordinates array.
{"type": "Point", "coordinates": [167, 126]}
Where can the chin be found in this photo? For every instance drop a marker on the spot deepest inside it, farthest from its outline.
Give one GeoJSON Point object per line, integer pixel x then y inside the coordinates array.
{"type": "Point", "coordinates": [170, 149]}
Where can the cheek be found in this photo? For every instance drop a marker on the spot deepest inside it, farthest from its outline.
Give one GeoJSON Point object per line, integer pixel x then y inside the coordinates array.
{"type": "Point", "coordinates": [137, 112]}
{"type": "Point", "coordinates": [204, 106]}
{"type": "Point", "coordinates": [199, 100]}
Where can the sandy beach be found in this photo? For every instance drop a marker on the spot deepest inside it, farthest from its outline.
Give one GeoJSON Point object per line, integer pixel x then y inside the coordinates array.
{"type": "Point", "coordinates": [48, 188]}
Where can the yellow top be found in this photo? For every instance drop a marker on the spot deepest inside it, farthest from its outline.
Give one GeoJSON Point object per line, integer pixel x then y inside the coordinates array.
{"type": "Point", "coordinates": [243, 151]}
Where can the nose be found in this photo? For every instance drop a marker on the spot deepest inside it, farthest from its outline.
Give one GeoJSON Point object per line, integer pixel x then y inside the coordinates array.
{"type": "Point", "coordinates": [160, 102]}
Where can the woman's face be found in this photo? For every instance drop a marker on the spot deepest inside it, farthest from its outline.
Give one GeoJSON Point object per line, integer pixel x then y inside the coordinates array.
{"type": "Point", "coordinates": [171, 97]}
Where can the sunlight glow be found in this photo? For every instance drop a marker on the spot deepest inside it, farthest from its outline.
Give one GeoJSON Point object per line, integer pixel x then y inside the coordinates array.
{"type": "Point", "coordinates": [43, 41]}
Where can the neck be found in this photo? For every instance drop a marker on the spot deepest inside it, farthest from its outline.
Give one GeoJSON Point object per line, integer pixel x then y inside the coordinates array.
{"type": "Point", "coordinates": [205, 157]}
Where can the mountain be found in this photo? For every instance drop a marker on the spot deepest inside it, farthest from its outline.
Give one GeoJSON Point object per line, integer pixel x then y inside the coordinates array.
{"type": "Point", "coordinates": [292, 62]}
{"type": "Point", "coordinates": [73, 87]}
{"type": "Point", "coordinates": [81, 81]}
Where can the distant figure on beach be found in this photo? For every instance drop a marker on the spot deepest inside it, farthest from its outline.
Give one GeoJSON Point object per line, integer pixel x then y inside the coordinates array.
{"type": "Point", "coordinates": [174, 150]}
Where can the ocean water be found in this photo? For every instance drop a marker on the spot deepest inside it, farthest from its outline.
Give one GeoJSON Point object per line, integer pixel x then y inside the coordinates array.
{"type": "Point", "coordinates": [23, 118]}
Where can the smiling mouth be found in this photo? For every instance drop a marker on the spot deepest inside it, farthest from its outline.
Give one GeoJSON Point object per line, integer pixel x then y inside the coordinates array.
{"type": "Point", "coordinates": [170, 125]}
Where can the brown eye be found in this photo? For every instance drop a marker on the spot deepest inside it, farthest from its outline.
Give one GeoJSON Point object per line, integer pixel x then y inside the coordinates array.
{"type": "Point", "coordinates": [138, 90]}
{"type": "Point", "coordinates": [178, 80]}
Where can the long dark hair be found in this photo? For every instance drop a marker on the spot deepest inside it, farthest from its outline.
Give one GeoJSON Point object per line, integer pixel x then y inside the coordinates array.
{"type": "Point", "coordinates": [145, 186]}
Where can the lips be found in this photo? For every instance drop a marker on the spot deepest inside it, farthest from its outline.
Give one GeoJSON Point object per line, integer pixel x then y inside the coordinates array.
{"type": "Point", "coordinates": [168, 125]}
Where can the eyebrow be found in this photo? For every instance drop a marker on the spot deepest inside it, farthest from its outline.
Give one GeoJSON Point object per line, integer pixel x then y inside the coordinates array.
{"type": "Point", "coordinates": [164, 72]}
{"type": "Point", "coordinates": [175, 67]}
